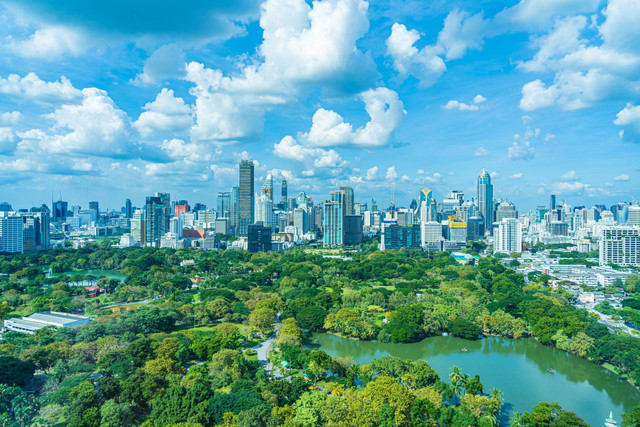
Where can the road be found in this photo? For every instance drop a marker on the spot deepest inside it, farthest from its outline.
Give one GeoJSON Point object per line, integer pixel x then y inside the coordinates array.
{"type": "Point", "coordinates": [264, 348]}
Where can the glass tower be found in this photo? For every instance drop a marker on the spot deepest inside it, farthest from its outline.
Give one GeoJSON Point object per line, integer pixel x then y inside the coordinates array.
{"type": "Point", "coordinates": [246, 201]}
{"type": "Point", "coordinates": [485, 198]}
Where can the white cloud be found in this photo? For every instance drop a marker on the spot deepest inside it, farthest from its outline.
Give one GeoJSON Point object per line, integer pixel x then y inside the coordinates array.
{"type": "Point", "coordinates": [50, 43]}
{"type": "Point", "coordinates": [31, 87]}
{"type": "Point", "coordinates": [372, 173]}
{"type": "Point", "coordinates": [178, 149]}
{"type": "Point", "coordinates": [461, 106]}
{"type": "Point", "coordinates": [329, 129]}
{"type": "Point", "coordinates": [436, 178]}
{"type": "Point", "coordinates": [288, 148]}
{"type": "Point", "coordinates": [95, 127]}
{"type": "Point", "coordinates": [518, 175]}
{"type": "Point", "coordinates": [622, 177]}
{"type": "Point", "coordinates": [166, 114]}
{"type": "Point", "coordinates": [494, 175]}
{"type": "Point", "coordinates": [479, 99]}
{"type": "Point", "coordinates": [481, 152]}
{"type": "Point", "coordinates": [570, 176]}
{"type": "Point", "coordinates": [424, 64]}
{"type": "Point", "coordinates": [521, 150]}
{"type": "Point", "coordinates": [11, 118]}
{"type": "Point", "coordinates": [391, 174]}
{"type": "Point", "coordinates": [7, 140]}
{"type": "Point", "coordinates": [167, 62]}
{"type": "Point", "coordinates": [629, 120]}
{"type": "Point", "coordinates": [461, 32]}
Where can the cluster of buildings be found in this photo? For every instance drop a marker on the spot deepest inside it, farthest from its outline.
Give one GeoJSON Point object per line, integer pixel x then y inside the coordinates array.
{"type": "Point", "coordinates": [261, 220]}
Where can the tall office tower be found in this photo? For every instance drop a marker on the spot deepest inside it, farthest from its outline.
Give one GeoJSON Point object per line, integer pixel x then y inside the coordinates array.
{"type": "Point", "coordinates": [267, 187]}
{"type": "Point", "coordinates": [95, 206]}
{"type": "Point", "coordinates": [348, 200]}
{"type": "Point", "coordinates": [5, 207]}
{"type": "Point", "coordinates": [246, 201]}
{"type": "Point", "coordinates": [128, 209]}
{"type": "Point", "coordinates": [157, 218]}
{"type": "Point", "coordinates": [59, 211]}
{"type": "Point", "coordinates": [264, 210]}
{"type": "Point", "coordinates": [224, 204]}
{"type": "Point", "coordinates": [258, 237]}
{"type": "Point", "coordinates": [302, 199]}
{"type": "Point", "coordinates": [283, 199]}
{"type": "Point", "coordinates": [292, 203]}
{"type": "Point", "coordinates": [506, 210]}
{"type": "Point", "coordinates": [301, 220]}
{"type": "Point", "coordinates": [233, 210]}
{"type": "Point", "coordinates": [11, 234]}
{"type": "Point", "coordinates": [181, 207]}
{"type": "Point", "coordinates": [426, 195]}
{"type": "Point", "coordinates": [333, 220]}
{"type": "Point", "coordinates": [374, 206]}
{"type": "Point", "coordinates": [552, 201]}
{"type": "Point", "coordinates": [509, 238]}
{"type": "Point", "coordinates": [633, 215]}
{"type": "Point", "coordinates": [485, 199]}
{"type": "Point", "coordinates": [137, 226]}
{"type": "Point", "coordinates": [199, 207]}
{"type": "Point", "coordinates": [620, 245]}
{"type": "Point", "coordinates": [457, 194]}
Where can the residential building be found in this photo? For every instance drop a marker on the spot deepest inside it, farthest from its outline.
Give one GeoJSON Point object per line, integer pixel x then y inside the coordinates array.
{"type": "Point", "coordinates": [620, 245]}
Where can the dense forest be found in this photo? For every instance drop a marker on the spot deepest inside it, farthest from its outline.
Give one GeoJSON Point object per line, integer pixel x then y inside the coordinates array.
{"type": "Point", "coordinates": [172, 343]}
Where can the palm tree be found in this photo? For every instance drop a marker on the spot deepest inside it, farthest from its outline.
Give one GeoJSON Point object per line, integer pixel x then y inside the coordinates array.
{"type": "Point", "coordinates": [517, 420]}
{"type": "Point", "coordinates": [457, 382]}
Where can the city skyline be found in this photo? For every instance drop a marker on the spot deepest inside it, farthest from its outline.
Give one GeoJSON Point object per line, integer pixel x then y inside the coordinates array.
{"type": "Point", "coordinates": [338, 93]}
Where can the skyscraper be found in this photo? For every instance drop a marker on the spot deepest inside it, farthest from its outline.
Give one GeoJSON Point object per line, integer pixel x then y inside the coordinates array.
{"type": "Point", "coordinates": [348, 200]}
{"type": "Point", "coordinates": [246, 202]}
{"type": "Point", "coordinates": [224, 204]}
{"type": "Point", "coordinates": [95, 206]}
{"type": "Point", "coordinates": [284, 194]}
{"type": "Point", "coordinates": [333, 220]}
{"type": "Point", "coordinates": [264, 210]}
{"type": "Point", "coordinates": [233, 209]}
{"type": "Point", "coordinates": [59, 211]}
{"type": "Point", "coordinates": [128, 209]}
{"type": "Point", "coordinates": [267, 187]}
{"type": "Point", "coordinates": [485, 199]}
{"type": "Point", "coordinates": [157, 216]}
{"type": "Point", "coordinates": [552, 201]}
{"type": "Point", "coordinates": [509, 238]}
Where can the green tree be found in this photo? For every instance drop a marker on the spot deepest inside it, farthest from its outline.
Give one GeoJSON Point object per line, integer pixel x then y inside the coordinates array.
{"type": "Point", "coordinates": [631, 418]}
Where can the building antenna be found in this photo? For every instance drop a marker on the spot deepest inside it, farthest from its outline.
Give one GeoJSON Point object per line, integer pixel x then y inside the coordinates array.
{"type": "Point", "coordinates": [392, 195]}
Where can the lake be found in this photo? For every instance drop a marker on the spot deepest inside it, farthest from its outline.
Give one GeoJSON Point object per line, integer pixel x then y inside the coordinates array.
{"type": "Point", "coordinates": [517, 367]}
{"type": "Point", "coordinates": [97, 273]}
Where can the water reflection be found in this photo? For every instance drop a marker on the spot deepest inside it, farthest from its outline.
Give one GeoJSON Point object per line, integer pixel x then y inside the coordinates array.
{"type": "Point", "coordinates": [520, 368]}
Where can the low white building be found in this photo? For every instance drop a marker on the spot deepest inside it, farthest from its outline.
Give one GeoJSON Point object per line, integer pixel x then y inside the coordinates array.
{"type": "Point", "coordinates": [30, 324]}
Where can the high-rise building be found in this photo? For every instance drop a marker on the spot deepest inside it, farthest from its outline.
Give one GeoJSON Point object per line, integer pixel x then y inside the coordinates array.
{"type": "Point", "coordinates": [348, 200]}
{"type": "Point", "coordinates": [5, 207]}
{"type": "Point", "coordinates": [11, 234]}
{"type": "Point", "coordinates": [398, 237]}
{"type": "Point", "coordinates": [552, 201]}
{"type": "Point", "coordinates": [246, 201]}
{"type": "Point", "coordinates": [264, 211]}
{"type": "Point", "coordinates": [633, 215]}
{"type": "Point", "coordinates": [233, 210]}
{"type": "Point", "coordinates": [352, 229]}
{"type": "Point", "coordinates": [505, 210]}
{"type": "Point", "coordinates": [128, 209]}
{"type": "Point", "coordinates": [283, 199]}
{"type": "Point", "coordinates": [157, 215]}
{"type": "Point", "coordinates": [485, 199]}
{"type": "Point", "coordinates": [301, 219]}
{"type": "Point", "coordinates": [224, 204]}
{"type": "Point", "coordinates": [333, 220]}
{"type": "Point", "coordinates": [95, 206]}
{"type": "Point", "coordinates": [137, 226]}
{"type": "Point", "coordinates": [620, 245]}
{"type": "Point", "coordinates": [509, 238]}
{"type": "Point", "coordinates": [181, 207]}
{"type": "Point", "coordinates": [267, 187]}
{"type": "Point", "coordinates": [59, 211]}
{"type": "Point", "coordinates": [199, 207]}
{"type": "Point", "coordinates": [258, 237]}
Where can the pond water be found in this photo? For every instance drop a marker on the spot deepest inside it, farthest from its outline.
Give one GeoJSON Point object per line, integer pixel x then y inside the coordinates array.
{"type": "Point", "coordinates": [97, 273]}
{"type": "Point", "coordinates": [520, 368]}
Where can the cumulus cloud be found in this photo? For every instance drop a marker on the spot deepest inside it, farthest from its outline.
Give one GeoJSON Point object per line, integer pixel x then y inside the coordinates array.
{"type": "Point", "coordinates": [329, 129]}
{"type": "Point", "coordinates": [7, 140]}
{"type": "Point", "coordinates": [481, 152]}
{"type": "Point", "coordinates": [461, 32]}
{"type": "Point", "coordinates": [178, 149]}
{"type": "Point", "coordinates": [570, 176]}
{"type": "Point", "coordinates": [11, 118]}
{"type": "Point", "coordinates": [518, 175]}
{"type": "Point", "coordinates": [372, 173]}
{"type": "Point", "coordinates": [391, 174]}
{"type": "Point", "coordinates": [32, 88]}
{"type": "Point", "coordinates": [461, 106]}
{"type": "Point", "coordinates": [629, 120]}
{"type": "Point", "coordinates": [288, 148]}
{"type": "Point", "coordinates": [622, 177]}
{"type": "Point", "coordinates": [424, 64]}
{"type": "Point", "coordinates": [521, 150]}
{"type": "Point", "coordinates": [50, 43]}
{"type": "Point", "coordinates": [166, 114]}
{"type": "Point", "coordinates": [96, 127]}
{"type": "Point", "coordinates": [167, 62]}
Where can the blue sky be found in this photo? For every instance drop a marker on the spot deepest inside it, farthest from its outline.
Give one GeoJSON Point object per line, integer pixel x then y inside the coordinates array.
{"type": "Point", "coordinates": [108, 100]}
